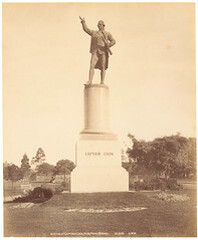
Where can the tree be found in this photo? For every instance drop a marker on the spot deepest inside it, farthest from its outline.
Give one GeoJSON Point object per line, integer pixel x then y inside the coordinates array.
{"type": "Point", "coordinates": [5, 171]}
{"type": "Point", "coordinates": [45, 169]}
{"type": "Point", "coordinates": [138, 156]}
{"type": "Point", "coordinates": [25, 166]}
{"type": "Point", "coordinates": [39, 158]}
{"type": "Point", "coordinates": [64, 167]}
{"type": "Point", "coordinates": [169, 156]}
{"type": "Point", "coordinates": [33, 176]}
{"type": "Point", "coordinates": [193, 155]}
{"type": "Point", "coordinates": [13, 173]}
{"type": "Point", "coordinates": [186, 159]}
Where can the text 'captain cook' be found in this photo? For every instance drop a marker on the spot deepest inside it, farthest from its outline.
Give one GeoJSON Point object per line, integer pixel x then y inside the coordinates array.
{"type": "Point", "coordinates": [101, 41]}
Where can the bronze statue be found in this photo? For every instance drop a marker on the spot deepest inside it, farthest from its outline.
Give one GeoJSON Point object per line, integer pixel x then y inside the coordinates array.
{"type": "Point", "coordinates": [101, 41]}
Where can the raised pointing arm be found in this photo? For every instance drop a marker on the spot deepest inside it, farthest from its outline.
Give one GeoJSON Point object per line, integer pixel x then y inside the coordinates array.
{"type": "Point", "coordinates": [84, 26]}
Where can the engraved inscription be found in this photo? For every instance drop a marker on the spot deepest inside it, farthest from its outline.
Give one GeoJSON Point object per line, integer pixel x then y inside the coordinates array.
{"type": "Point", "coordinates": [99, 153]}
{"type": "Point", "coordinates": [92, 153]}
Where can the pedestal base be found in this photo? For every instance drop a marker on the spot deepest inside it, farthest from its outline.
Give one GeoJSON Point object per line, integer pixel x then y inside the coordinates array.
{"type": "Point", "coordinates": [98, 160]}
{"type": "Point", "coordinates": [103, 179]}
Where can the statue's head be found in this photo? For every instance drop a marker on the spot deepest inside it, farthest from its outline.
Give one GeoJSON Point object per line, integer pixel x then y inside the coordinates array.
{"type": "Point", "coordinates": [101, 25]}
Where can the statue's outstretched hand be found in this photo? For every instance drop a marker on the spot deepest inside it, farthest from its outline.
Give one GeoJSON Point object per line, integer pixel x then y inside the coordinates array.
{"type": "Point", "coordinates": [82, 19]}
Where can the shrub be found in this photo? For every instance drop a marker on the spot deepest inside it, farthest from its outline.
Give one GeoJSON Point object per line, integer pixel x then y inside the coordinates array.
{"type": "Point", "coordinates": [174, 185]}
{"type": "Point", "coordinates": [39, 194]}
{"type": "Point", "coordinates": [172, 197]}
{"type": "Point", "coordinates": [157, 184]}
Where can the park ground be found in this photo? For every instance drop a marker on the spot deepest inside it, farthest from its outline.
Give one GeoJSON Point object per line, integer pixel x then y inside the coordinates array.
{"type": "Point", "coordinates": [65, 215]}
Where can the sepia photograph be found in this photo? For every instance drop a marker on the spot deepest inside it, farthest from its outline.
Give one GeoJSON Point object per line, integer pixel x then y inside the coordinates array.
{"type": "Point", "coordinates": [99, 119]}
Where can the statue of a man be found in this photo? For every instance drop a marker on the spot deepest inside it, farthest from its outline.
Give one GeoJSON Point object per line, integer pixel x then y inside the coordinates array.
{"type": "Point", "coordinates": [101, 41]}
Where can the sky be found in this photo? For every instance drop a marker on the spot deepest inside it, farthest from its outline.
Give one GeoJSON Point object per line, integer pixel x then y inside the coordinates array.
{"type": "Point", "coordinates": [151, 75]}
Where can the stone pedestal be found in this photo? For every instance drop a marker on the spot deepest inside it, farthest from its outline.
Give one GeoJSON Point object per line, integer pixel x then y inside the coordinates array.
{"type": "Point", "coordinates": [98, 152]}
{"type": "Point", "coordinates": [96, 109]}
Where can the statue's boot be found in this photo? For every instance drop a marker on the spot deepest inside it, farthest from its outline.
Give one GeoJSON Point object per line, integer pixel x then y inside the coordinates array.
{"type": "Point", "coordinates": [88, 83]}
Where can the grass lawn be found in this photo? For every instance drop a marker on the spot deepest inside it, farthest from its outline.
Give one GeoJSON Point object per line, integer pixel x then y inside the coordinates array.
{"type": "Point", "coordinates": [51, 219]}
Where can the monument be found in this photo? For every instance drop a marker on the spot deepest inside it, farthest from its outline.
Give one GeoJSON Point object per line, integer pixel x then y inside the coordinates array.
{"type": "Point", "coordinates": [98, 152]}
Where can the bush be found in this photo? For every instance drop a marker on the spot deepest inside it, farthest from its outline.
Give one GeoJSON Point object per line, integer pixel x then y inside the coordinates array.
{"type": "Point", "coordinates": [174, 185]}
{"type": "Point", "coordinates": [172, 197]}
{"type": "Point", "coordinates": [40, 192]}
{"type": "Point", "coordinates": [38, 195]}
{"type": "Point", "coordinates": [157, 184]}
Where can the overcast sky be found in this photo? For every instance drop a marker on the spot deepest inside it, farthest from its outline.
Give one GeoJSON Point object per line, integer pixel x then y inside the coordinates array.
{"type": "Point", "coordinates": [46, 58]}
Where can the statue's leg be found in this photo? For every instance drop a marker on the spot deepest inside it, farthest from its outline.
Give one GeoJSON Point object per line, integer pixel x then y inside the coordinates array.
{"type": "Point", "coordinates": [102, 73]}
{"type": "Point", "coordinates": [94, 59]}
{"type": "Point", "coordinates": [91, 74]}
